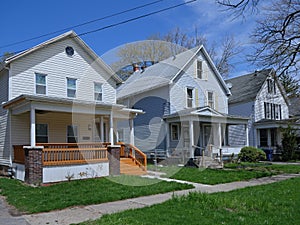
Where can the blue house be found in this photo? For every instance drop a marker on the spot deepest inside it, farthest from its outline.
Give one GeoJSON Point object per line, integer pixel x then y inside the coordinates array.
{"type": "Point", "coordinates": [185, 101]}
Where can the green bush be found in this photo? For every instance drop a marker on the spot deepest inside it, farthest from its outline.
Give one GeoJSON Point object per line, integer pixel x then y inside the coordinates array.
{"type": "Point", "coordinates": [251, 154]}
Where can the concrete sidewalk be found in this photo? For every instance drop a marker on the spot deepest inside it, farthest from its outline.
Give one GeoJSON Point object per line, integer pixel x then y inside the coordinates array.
{"type": "Point", "coordinates": [92, 212]}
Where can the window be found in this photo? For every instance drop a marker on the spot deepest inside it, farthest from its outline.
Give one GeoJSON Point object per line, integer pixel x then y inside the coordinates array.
{"type": "Point", "coordinates": [174, 132]}
{"type": "Point", "coordinates": [40, 84]}
{"type": "Point", "coordinates": [189, 94]}
{"type": "Point", "coordinates": [263, 136]}
{"type": "Point", "coordinates": [71, 87]}
{"type": "Point", "coordinates": [41, 133]}
{"type": "Point", "coordinates": [199, 69]}
{"type": "Point", "coordinates": [271, 86]}
{"type": "Point", "coordinates": [210, 99]}
{"type": "Point", "coordinates": [272, 111]}
{"type": "Point", "coordinates": [98, 92]}
{"type": "Point", "coordinates": [72, 134]}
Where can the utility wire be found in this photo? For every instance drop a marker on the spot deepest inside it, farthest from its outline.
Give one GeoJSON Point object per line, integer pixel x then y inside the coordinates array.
{"type": "Point", "coordinates": [129, 20]}
{"type": "Point", "coordinates": [83, 24]}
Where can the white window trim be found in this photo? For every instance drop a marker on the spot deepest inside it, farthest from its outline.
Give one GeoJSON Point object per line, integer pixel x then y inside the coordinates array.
{"type": "Point", "coordinates": [95, 83]}
{"type": "Point", "coordinates": [178, 132]}
{"type": "Point", "coordinates": [46, 85]}
{"type": "Point", "coordinates": [187, 97]}
{"type": "Point", "coordinates": [71, 88]}
{"type": "Point", "coordinates": [213, 99]}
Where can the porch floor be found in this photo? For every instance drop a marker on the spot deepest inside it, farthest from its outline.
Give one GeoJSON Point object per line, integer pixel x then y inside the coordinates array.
{"type": "Point", "coordinates": [128, 167]}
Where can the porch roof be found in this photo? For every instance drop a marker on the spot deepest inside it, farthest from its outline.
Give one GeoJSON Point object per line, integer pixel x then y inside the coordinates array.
{"type": "Point", "coordinates": [265, 123]}
{"type": "Point", "coordinates": [206, 114]}
{"type": "Point", "coordinates": [24, 103]}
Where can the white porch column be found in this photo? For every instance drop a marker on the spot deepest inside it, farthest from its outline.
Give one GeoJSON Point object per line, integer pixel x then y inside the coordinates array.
{"type": "Point", "coordinates": [102, 129]}
{"type": "Point", "coordinates": [115, 122]}
{"type": "Point", "coordinates": [247, 134]}
{"type": "Point", "coordinates": [131, 125]}
{"type": "Point", "coordinates": [32, 127]}
{"type": "Point", "coordinates": [220, 135]}
{"type": "Point", "coordinates": [191, 131]}
{"type": "Point", "coordinates": [111, 128]}
{"type": "Point", "coordinates": [167, 130]}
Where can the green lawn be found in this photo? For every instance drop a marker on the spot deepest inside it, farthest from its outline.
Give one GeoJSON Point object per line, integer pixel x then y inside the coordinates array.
{"type": "Point", "coordinates": [231, 173]}
{"type": "Point", "coordinates": [81, 192]}
{"type": "Point", "coordinates": [277, 203]}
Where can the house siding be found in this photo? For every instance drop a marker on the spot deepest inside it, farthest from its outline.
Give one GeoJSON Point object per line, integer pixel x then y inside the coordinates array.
{"type": "Point", "coordinates": [208, 83]}
{"type": "Point", "coordinates": [53, 61]}
{"type": "Point", "coordinates": [264, 96]}
{"type": "Point", "coordinates": [4, 119]}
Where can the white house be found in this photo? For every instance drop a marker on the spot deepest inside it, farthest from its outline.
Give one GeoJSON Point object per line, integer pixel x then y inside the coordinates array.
{"type": "Point", "coordinates": [56, 93]}
{"type": "Point", "coordinates": [185, 101]}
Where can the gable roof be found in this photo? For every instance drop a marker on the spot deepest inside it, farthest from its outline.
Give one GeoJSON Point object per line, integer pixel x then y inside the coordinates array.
{"type": "Point", "coordinates": [246, 87]}
{"type": "Point", "coordinates": [164, 73]}
{"type": "Point", "coordinates": [76, 38]}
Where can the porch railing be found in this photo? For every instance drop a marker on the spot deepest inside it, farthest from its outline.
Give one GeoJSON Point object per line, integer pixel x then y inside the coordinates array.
{"type": "Point", "coordinates": [66, 153]}
{"type": "Point", "coordinates": [137, 156]}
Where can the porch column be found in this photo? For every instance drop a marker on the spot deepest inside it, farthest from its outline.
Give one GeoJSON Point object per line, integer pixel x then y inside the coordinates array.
{"type": "Point", "coordinates": [247, 134]}
{"type": "Point", "coordinates": [101, 129]}
{"type": "Point", "coordinates": [220, 135]}
{"type": "Point", "coordinates": [32, 127]}
{"type": "Point", "coordinates": [111, 128]}
{"type": "Point", "coordinates": [191, 131]}
{"type": "Point", "coordinates": [115, 130]}
{"type": "Point", "coordinates": [167, 130]}
{"type": "Point", "coordinates": [131, 125]}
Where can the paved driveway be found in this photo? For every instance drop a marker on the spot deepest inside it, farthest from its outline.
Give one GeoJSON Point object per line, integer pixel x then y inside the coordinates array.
{"type": "Point", "coordinates": [6, 218]}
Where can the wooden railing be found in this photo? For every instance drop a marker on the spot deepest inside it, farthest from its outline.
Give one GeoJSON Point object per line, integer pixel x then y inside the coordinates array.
{"type": "Point", "coordinates": [66, 153]}
{"type": "Point", "coordinates": [137, 155]}
{"type": "Point", "coordinates": [19, 154]}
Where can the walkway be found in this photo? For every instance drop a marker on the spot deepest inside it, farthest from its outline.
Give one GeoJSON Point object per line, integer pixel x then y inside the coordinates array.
{"type": "Point", "coordinates": [92, 212]}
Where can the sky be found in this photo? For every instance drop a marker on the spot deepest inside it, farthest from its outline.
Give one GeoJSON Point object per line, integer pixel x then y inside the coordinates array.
{"type": "Point", "coordinates": [22, 20]}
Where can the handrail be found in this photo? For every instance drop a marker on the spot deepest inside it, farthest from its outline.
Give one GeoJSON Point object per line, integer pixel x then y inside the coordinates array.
{"type": "Point", "coordinates": [139, 157]}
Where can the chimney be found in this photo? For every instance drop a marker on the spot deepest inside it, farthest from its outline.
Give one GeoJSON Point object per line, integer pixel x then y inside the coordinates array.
{"type": "Point", "coordinates": [136, 67]}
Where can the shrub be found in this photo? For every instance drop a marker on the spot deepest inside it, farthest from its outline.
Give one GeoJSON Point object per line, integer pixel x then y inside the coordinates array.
{"type": "Point", "coordinates": [251, 154]}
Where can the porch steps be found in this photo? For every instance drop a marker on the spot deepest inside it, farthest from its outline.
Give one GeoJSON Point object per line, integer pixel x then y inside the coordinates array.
{"type": "Point", "coordinates": [128, 167]}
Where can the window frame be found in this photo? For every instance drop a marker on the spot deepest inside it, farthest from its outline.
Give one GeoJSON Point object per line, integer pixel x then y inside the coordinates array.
{"type": "Point", "coordinates": [177, 134]}
{"type": "Point", "coordinates": [211, 102]}
{"type": "Point", "coordinates": [41, 85]}
{"type": "Point", "coordinates": [199, 69]}
{"type": "Point", "coordinates": [37, 136]}
{"type": "Point", "coordinates": [74, 136]}
{"type": "Point", "coordinates": [71, 88]}
{"type": "Point", "coordinates": [190, 99]}
{"type": "Point", "coordinates": [272, 111]}
{"type": "Point", "coordinates": [98, 93]}
{"type": "Point", "coordinates": [271, 86]}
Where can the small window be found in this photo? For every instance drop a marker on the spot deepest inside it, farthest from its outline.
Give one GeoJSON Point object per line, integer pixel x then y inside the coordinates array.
{"type": "Point", "coordinates": [174, 132]}
{"type": "Point", "coordinates": [210, 99]}
{"type": "Point", "coordinates": [199, 69]}
{"type": "Point", "coordinates": [72, 134]}
{"type": "Point", "coordinates": [271, 86]}
{"type": "Point", "coordinates": [40, 84]}
{"type": "Point", "coordinates": [71, 87]}
{"type": "Point", "coordinates": [98, 92]}
{"type": "Point", "coordinates": [69, 51]}
{"type": "Point", "coordinates": [41, 133]}
{"type": "Point", "coordinates": [189, 95]}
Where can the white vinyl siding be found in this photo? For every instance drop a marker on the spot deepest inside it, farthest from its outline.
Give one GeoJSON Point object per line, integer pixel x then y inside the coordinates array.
{"type": "Point", "coordinates": [54, 62]}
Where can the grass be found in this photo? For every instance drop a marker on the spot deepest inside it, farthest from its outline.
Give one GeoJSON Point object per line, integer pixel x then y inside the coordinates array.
{"type": "Point", "coordinates": [81, 192]}
{"type": "Point", "coordinates": [231, 173]}
{"type": "Point", "coordinates": [277, 203]}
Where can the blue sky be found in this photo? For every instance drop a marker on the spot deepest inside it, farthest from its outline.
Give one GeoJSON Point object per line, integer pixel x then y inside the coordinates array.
{"type": "Point", "coordinates": [21, 20]}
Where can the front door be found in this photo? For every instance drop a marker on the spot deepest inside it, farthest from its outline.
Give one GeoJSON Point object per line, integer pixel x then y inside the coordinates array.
{"type": "Point", "coordinates": [207, 135]}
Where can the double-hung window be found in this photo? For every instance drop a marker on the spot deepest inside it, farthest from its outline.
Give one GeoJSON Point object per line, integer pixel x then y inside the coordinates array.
{"type": "Point", "coordinates": [98, 91]}
{"type": "Point", "coordinates": [271, 86]}
{"type": "Point", "coordinates": [210, 99]}
{"type": "Point", "coordinates": [41, 133]}
{"type": "Point", "coordinates": [71, 87]}
{"type": "Point", "coordinates": [40, 83]}
{"type": "Point", "coordinates": [189, 96]}
{"type": "Point", "coordinates": [199, 69]}
{"type": "Point", "coordinates": [174, 132]}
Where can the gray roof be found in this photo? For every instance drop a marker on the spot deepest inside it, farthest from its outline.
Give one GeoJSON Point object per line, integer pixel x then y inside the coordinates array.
{"type": "Point", "coordinates": [245, 88]}
{"type": "Point", "coordinates": [164, 73]}
{"type": "Point", "coordinates": [294, 107]}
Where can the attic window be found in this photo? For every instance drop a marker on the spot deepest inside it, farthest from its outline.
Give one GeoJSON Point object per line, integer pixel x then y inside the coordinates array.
{"type": "Point", "coordinates": [271, 86]}
{"type": "Point", "coordinates": [69, 51]}
{"type": "Point", "coordinates": [199, 69]}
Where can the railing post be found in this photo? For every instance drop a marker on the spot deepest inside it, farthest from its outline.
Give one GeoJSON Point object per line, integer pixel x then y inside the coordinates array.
{"type": "Point", "coordinates": [114, 159]}
{"type": "Point", "coordinates": [33, 164]}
